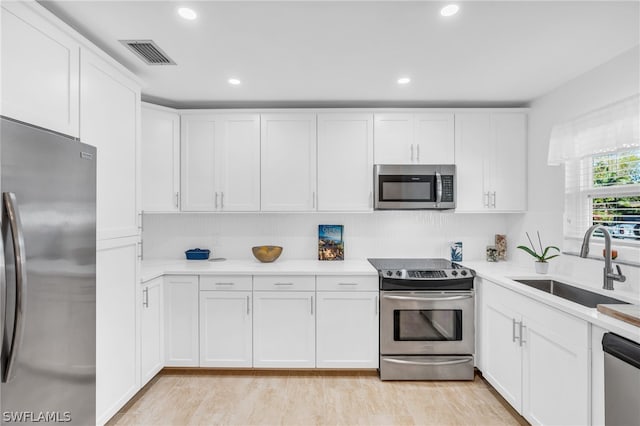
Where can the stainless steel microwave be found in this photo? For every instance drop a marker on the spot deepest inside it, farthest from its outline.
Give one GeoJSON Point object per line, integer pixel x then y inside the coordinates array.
{"type": "Point", "coordinates": [414, 187]}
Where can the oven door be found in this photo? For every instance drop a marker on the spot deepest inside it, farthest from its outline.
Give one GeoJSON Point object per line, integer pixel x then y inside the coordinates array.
{"type": "Point", "coordinates": [426, 323]}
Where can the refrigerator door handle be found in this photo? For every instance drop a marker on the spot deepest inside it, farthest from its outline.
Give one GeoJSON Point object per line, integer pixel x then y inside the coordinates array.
{"type": "Point", "coordinates": [17, 237]}
{"type": "Point", "coordinates": [3, 282]}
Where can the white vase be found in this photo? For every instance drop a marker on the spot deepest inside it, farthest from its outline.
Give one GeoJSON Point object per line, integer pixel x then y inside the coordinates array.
{"type": "Point", "coordinates": [542, 267]}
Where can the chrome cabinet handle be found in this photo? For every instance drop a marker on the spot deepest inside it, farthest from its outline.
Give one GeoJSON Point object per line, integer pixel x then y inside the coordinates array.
{"type": "Point", "coordinates": [485, 199]}
{"type": "Point", "coordinates": [412, 153]}
{"type": "Point", "coordinates": [248, 303]}
{"type": "Point", "coordinates": [216, 206]}
{"type": "Point", "coordinates": [438, 187]}
{"type": "Point", "coordinates": [347, 283]}
{"type": "Point", "coordinates": [513, 330]}
{"type": "Point", "coordinates": [140, 250]}
{"type": "Point", "coordinates": [224, 283]}
{"type": "Point", "coordinates": [222, 200]}
{"type": "Point", "coordinates": [313, 199]}
{"type": "Point", "coordinates": [418, 152]}
{"type": "Point", "coordinates": [177, 196]}
{"type": "Point", "coordinates": [17, 237]}
{"type": "Point", "coordinates": [145, 301]}
{"type": "Point", "coordinates": [493, 203]}
{"type": "Point", "coordinates": [377, 306]}
{"type": "Point", "coordinates": [522, 328]}
{"type": "Point", "coordinates": [311, 305]}
{"type": "Point", "coordinates": [283, 284]}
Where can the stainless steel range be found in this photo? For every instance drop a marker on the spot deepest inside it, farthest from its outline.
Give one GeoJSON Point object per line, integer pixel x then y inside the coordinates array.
{"type": "Point", "coordinates": [426, 319]}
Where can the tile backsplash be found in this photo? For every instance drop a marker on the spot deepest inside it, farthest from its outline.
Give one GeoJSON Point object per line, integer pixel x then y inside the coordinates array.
{"type": "Point", "coordinates": [377, 234]}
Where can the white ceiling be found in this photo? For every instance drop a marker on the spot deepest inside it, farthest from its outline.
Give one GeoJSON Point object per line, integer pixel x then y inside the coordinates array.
{"type": "Point", "coordinates": [337, 53]}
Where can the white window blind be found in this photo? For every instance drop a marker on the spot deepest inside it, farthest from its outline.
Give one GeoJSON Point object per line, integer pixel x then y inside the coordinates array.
{"type": "Point", "coordinates": [601, 154]}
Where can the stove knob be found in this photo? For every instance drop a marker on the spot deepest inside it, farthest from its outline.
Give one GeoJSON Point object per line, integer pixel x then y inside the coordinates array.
{"type": "Point", "coordinates": [399, 273]}
{"type": "Point", "coordinates": [389, 273]}
{"type": "Point", "coordinates": [463, 272]}
{"type": "Point", "coordinates": [454, 273]}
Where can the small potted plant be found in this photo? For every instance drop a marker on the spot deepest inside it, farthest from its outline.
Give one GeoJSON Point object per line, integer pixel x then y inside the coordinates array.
{"type": "Point", "coordinates": [542, 266]}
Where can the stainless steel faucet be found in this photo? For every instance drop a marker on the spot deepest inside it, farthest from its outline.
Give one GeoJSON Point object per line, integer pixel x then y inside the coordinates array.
{"type": "Point", "coordinates": [608, 276]}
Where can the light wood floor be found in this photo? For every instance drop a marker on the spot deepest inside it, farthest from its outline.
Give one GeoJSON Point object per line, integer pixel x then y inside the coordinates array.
{"type": "Point", "coordinates": [311, 398]}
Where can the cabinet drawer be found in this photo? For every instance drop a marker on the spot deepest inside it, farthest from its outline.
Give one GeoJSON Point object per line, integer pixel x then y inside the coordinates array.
{"type": "Point", "coordinates": [347, 283]}
{"type": "Point", "coordinates": [285, 282]}
{"type": "Point", "coordinates": [225, 282]}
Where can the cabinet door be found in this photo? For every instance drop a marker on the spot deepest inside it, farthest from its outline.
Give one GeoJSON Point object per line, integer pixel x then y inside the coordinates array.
{"type": "Point", "coordinates": [509, 164]}
{"type": "Point", "coordinates": [225, 329]}
{"type": "Point", "coordinates": [501, 350]}
{"type": "Point", "coordinates": [393, 139]}
{"type": "Point", "coordinates": [472, 141]}
{"type": "Point", "coordinates": [151, 344]}
{"type": "Point", "coordinates": [160, 172]}
{"type": "Point", "coordinates": [181, 321]}
{"type": "Point", "coordinates": [198, 139]}
{"type": "Point", "coordinates": [555, 369]}
{"type": "Point", "coordinates": [288, 162]}
{"type": "Point", "coordinates": [347, 330]}
{"type": "Point", "coordinates": [284, 329]}
{"type": "Point", "coordinates": [345, 162]}
{"type": "Point", "coordinates": [117, 295]}
{"type": "Point", "coordinates": [110, 112]}
{"type": "Point", "coordinates": [40, 71]}
{"type": "Point", "coordinates": [434, 138]}
{"type": "Point", "coordinates": [237, 162]}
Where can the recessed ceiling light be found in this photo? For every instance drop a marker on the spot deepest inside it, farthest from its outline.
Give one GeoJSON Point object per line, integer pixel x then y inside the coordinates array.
{"type": "Point", "coordinates": [234, 81]}
{"type": "Point", "coordinates": [187, 13]}
{"type": "Point", "coordinates": [404, 80]}
{"type": "Point", "coordinates": [449, 10]}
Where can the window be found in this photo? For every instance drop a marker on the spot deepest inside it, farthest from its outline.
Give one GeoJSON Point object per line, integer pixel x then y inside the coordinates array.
{"type": "Point", "coordinates": [604, 189]}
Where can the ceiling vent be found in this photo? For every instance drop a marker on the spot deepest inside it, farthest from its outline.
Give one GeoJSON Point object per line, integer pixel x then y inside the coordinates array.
{"type": "Point", "coordinates": [148, 51]}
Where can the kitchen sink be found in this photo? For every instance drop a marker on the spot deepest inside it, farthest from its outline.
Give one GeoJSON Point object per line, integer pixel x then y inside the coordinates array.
{"type": "Point", "coordinates": [574, 294]}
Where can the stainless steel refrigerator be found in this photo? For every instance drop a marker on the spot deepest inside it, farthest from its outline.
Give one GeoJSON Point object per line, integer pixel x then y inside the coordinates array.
{"type": "Point", "coordinates": [47, 277]}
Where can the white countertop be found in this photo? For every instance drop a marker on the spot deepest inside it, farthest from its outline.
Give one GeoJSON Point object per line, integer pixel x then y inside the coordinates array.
{"type": "Point", "coordinates": [499, 273]}
{"type": "Point", "coordinates": [155, 268]}
{"type": "Point", "coordinates": [502, 273]}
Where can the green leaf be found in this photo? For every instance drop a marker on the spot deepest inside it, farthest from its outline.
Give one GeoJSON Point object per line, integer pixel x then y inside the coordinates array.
{"type": "Point", "coordinates": [551, 257]}
{"type": "Point", "coordinates": [531, 252]}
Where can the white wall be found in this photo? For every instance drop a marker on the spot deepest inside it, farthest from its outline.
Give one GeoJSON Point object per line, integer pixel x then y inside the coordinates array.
{"type": "Point", "coordinates": [378, 234]}
{"type": "Point", "coordinates": [610, 82]}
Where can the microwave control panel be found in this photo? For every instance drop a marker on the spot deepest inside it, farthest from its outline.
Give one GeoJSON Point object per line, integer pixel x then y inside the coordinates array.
{"type": "Point", "coordinates": [447, 188]}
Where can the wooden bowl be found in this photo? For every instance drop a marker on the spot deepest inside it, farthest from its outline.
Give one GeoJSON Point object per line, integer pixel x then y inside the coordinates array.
{"type": "Point", "coordinates": [267, 254]}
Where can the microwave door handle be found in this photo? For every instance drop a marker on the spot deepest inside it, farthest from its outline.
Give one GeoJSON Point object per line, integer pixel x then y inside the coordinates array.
{"type": "Point", "coordinates": [438, 187]}
{"type": "Point", "coordinates": [9, 200]}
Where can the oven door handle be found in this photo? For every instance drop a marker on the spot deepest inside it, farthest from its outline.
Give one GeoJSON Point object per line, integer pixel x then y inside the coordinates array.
{"type": "Point", "coordinates": [445, 362]}
{"type": "Point", "coordinates": [422, 298]}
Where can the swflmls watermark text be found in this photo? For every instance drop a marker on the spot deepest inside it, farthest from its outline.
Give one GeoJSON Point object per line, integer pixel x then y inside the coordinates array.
{"type": "Point", "coordinates": [36, 416]}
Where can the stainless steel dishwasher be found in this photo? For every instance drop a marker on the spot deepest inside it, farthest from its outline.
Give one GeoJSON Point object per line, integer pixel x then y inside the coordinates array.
{"type": "Point", "coordinates": [621, 380]}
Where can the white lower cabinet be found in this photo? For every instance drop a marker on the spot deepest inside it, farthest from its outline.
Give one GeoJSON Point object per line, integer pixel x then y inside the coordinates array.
{"type": "Point", "coordinates": [225, 329]}
{"type": "Point", "coordinates": [181, 321]}
{"type": "Point", "coordinates": [347, 329]}
{"type": "Point", "coordinates": [151, 341]}
{"type": "Point", "coordinates": [535, 356]}
{"type": "Point", "coordinates": [284, 329]}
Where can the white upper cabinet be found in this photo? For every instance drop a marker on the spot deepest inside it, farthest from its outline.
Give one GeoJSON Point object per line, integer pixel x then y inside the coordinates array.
{"type": "Point", "coordinates": [434, 138]}
{"type": "Point", "coordinates": [160, 172]}
{"type": "Point", "coordinates": [40, 71]}
{"type": "Point", "coordinates": [345, 162]}
{"type": "Point", "coordinates": [421, 138]}
{"type": "Point", "coordinates": [199, 133]}
{"type": "Point", "coordinates": [288, 162]}
{"type": "Point", "coordinates": [220, 162]}
{"type": "Point", "coordinates": [509, 171]}
{"type": "Point", "coordinates": [490, 152]}
{"type": "Point", "coordinates": [109, 120]}
{"type": "Point", "coordinates": [237, 163]}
